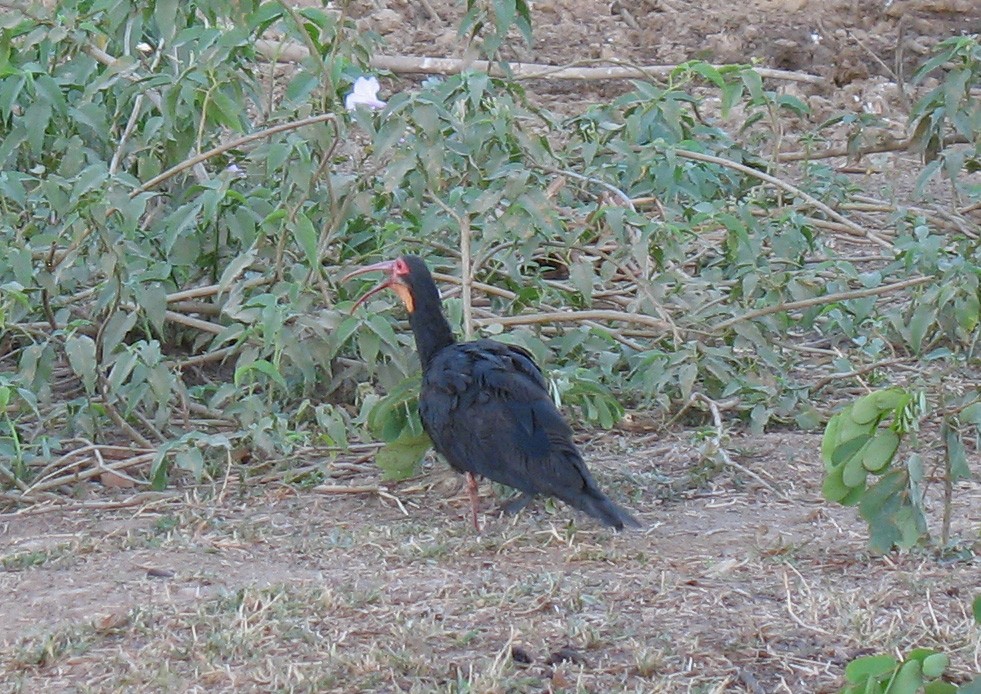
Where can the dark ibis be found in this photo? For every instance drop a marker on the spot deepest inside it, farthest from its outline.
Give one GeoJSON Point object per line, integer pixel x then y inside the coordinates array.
{"type": "Point", "coordinates": [486, 406]}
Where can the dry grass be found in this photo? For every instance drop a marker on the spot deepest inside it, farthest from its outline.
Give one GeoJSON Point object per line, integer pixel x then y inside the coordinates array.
{"type": "Point", "coordinates": [729, 588]}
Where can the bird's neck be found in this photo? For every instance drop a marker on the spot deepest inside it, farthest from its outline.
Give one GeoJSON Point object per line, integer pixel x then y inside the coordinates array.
{"type": "Point", "coordinates": [429, 325]}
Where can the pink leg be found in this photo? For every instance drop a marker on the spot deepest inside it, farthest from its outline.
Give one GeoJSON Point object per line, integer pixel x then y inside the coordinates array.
{"type": "Point", "coordinates": [472, 493]}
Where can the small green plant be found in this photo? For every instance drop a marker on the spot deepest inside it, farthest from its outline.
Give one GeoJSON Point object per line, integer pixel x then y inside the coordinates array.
{"type": "Point", "coordinates": [859, 450]}
{"type": "Point", "coordinates": [920, 671]}
{"type": "Point", "coordinates": [862, 441]}
{"type": "Point", "coordinates": [950, 114]}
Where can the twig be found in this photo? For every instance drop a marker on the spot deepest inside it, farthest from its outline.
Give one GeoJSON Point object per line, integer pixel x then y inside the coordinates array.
{"type": "Point", "coordinates": [716, 443]}
{"type": "Point", "coordinates": [14, 479]}
{"type": "Point", "coordinates": [207, 357]}
{"type": "Point", "coordinates": [212, 289]}
{"type": "Point", "coordinates": [821, 300]}
{"type": "Point", "coordinates": [346, 489]}
{"type": "Point", "coordinates": [876, 58]}
{"type": "Point", "coordinates": [589, 179]}
{"type": "Point", "coordinates": [825, 380]}
{"type": "Point", "coordinates": [618, 335]}
{"type": "Point", "coordinates": [233, 144]}
{"type": "Point", "coordinates": [783, 185]}
{"type": "Point", "coordinates": [55, 482]}
{"type": "Point", "coordinates": [196, 323]}
{"type": "Point", "coordinates": [793, 616]}
{"type": "Point", "coordinates": [141, 499]}
{"type": "Point", "coordinates": [576, 317]}
{"type": "Point", "coordinates": [878, 148]}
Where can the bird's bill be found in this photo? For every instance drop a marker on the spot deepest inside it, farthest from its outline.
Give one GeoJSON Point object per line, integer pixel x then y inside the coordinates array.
{"type": "Point", "coordinates": [392, 281]}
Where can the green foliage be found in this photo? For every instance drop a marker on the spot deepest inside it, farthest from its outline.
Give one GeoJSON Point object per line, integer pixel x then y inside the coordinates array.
{"type": "Point", "coordinates": [487, 23]}
{"type": "Point", "coordinates": [395, 420]}
{"type": "Point", "coordinates": [921, 671]}
{"type": "Point", "coordinates": [950, 113]}
{"type": "Point", "coordinates": [862, 440]}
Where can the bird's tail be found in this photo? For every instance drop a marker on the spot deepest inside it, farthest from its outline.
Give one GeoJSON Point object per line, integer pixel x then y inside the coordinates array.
{"type": "Point", "coordinates": [597, 505]}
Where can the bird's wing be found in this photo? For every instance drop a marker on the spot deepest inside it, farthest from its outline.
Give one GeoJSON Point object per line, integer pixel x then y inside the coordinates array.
{"type": "Point", "coordinates": [487, 408]}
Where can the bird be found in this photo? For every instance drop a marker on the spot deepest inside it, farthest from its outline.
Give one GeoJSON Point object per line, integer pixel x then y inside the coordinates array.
{"type": "Point", "coordinates": [486, 407]}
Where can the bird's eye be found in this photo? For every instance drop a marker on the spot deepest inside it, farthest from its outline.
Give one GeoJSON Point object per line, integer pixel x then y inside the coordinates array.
{"type": "Point", "coordinates": [401, 267]}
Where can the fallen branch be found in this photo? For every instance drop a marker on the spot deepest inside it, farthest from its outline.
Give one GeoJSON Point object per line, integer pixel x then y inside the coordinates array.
{"type": "Point", "coordinates": [573, 71]}
{"type": "Point", "coordinates": [575, 317]}
{"type": "Point", "coordinates": [290, 52]}
{"type": "Point", "coordinates": [825, 380]}
{"type": "Point", "coordinates": [886, 145]}
{"type": "Point", "coordinates": [75, 477]}
{"type": "Point", "coordinates": [821, 300]}
{"type": "Point", "coordinates": [141, 499]}
{"type": "Point", "coordinates": [196, 323]}
{"type": "Point", "coordinates": [212, 289]}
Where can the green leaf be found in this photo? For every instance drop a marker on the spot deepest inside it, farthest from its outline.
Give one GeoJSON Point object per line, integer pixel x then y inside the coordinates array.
{"type": "Point", "coordinates": [833, 488]}
{"type": "Point", "coordinates": [908, 680]}
{"type": "Point", "coordinates": [880, 450]}
{"type": "Point", "coordinates": [830, 439]}
{"type": "Point", "coordinates": [864, 410]}
{"type": "Point", "coordinates": [890, 399]}
{"type": "Point", "coordinates": [225, 111]}
{"type": "Point", "coordinates": [853, 473]}
{"type": "Point", "coordinates": [846, 450]}
{"type": "Point", "coordinates": [236, 267]}
{"type": "Point", "coordinates": [935, 664]}
{"type": "Point", "coordinates": [849, 429]}
{"type": "Point", "coordinates": [262, 366]}
{"type": "Point", "coordinates": [191, 460]}
{"type": "Point", "coordinates": [976, 607]}
{"type": "Point", "coordinates": [159, 469]}
{"type": "Point", "coordinates": [869, 666]}
{"type": "Point", "coordinates": [81, 357]}
{"type": "Point", "coordinates": [121, 370]}
{"type": "Point", "coordinates": [300, 88]}
{"type": "Point", "coordinates": [400, 458]}
{"type": "Point", "coordinates": [165, 14]}
{"type": "Point", "coordinates": [957, 453]}
{"type": "Point", "coordinates": [940, 687]}
{"type": "Point", "coordinates": [306, 236]}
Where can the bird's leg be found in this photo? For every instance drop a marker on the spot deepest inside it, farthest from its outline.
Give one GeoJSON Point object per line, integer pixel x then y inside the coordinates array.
{"type": "Point", "coordinates": [472, 493]}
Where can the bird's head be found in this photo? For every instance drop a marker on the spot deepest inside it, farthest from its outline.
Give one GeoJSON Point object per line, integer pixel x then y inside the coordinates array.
{"type": "Point", "coordinates": [404, 275]}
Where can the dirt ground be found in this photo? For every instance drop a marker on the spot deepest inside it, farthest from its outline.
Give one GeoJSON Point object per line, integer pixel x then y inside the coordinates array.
{"type": "Point", "coordinates": [731, 586]}
{"type": "Point", "coordinates": [737, 583]}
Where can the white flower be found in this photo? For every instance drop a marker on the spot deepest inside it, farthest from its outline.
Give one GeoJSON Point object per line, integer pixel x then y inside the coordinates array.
{"type": "Point", "coordinates": [365, 93]}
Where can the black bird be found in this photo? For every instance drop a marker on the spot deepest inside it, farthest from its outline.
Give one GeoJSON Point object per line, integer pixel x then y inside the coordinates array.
{"type": "Point", "coordinates": [486, 406]}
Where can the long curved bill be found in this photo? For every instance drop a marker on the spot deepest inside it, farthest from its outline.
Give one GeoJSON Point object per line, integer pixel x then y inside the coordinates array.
{"type": "Point", "coordinates": [390, 281]}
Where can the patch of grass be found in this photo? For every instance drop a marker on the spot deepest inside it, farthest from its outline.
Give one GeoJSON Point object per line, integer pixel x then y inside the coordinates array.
{"type": "Point", "coordinates": [19, 561]}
